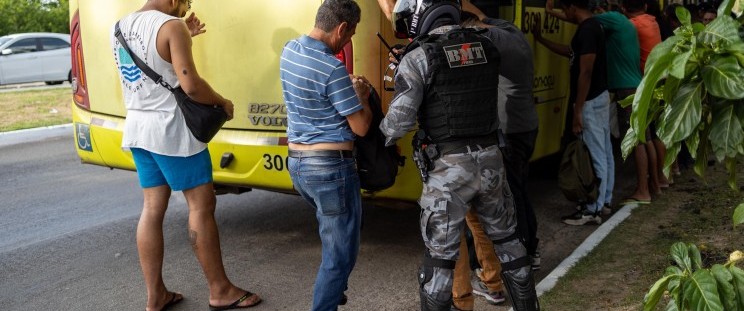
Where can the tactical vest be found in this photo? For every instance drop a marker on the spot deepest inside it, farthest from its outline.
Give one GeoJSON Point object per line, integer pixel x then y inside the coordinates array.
{"type": "Point", "coordinates": [461, 96]}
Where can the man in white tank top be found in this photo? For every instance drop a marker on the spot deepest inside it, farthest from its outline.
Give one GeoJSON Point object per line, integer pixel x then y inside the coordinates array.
{"type": "Point", "coordinates": [166, 154]}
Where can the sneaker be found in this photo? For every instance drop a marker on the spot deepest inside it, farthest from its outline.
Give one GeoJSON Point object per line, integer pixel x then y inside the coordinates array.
{"type": "Point", "coordinates": [535, 260]}
{"type": "Point", "coordinates": [580, 218]}
{"type": "Point", "coordinates": [480, 289]}
{"type": "Point", "coordinates": [606, 210]}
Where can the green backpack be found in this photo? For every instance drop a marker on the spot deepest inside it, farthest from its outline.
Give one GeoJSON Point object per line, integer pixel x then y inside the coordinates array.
{"type": "Point", "coordinates": [576, 176]}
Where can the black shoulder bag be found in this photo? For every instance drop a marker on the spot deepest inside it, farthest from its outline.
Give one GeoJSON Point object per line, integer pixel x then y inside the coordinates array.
{"type": "Point", "coordinates": [204, 121]}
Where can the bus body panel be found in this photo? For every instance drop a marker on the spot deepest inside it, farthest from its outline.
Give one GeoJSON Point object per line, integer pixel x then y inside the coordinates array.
{"type": "Point", "coordinates": [239, 56]}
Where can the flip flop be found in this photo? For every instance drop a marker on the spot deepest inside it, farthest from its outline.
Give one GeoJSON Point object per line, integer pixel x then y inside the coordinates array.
{"type": "Point", "coordinates": [235, 304]}
{"type": "Point", "coordinates": [175, 299]}
{"type": "Point", "coordinates": [629, 201]}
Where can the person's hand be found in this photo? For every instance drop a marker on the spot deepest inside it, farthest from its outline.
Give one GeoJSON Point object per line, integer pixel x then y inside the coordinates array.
{"type": "Point", "coordinates": [397, 51]}
{"type": "Point", "coordinates": [578, 123]}
{"type": "Point", "coordinates": [361, 85]}
{"type": "Point", "coordinates": [195, 25]}
{"type": "Point", "coordinates": [228, 107]}
{"type": "Point", "coordinates": [536, 27]}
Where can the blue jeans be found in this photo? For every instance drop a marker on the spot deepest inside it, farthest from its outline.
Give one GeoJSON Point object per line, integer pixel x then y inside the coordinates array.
{"type": "Point", "coordinates": [331, 186]}
{"type": "Point", "coordinates": [596, 136]}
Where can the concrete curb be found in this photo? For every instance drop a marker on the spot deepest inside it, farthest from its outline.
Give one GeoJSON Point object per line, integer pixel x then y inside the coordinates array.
{"type": "Point", "coordinates": [34, 134]}
{"type": "Point", "coordinates": [587, 246]}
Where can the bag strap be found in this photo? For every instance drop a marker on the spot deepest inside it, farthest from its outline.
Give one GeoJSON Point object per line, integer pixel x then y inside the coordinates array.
{"type": "Point", "coordinates": [141, 64]}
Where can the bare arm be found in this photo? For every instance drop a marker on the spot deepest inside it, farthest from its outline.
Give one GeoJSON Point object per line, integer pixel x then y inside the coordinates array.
{"type": "Point", "coordinates": [174, 45]}
{"type": "Point", "coordinates": [360, 120]}
{"type": "Point", "coordinates": [387, 7]}
{"type": "Point", "coordinates": [550, 9]}
{"type": "Point", "coordinates": [586, 68]}
{"type": "Point", "coordinates": [469, 7]}
{"type": "Point", "coordinates": [557, 48]}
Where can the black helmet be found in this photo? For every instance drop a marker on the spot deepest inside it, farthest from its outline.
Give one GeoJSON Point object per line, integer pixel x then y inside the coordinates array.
{"type": "Point", "coordinates": [415, 17]}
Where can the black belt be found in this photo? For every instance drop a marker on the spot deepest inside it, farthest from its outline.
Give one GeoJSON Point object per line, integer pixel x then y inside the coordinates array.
{"type": "Point", "coordinates": [343, 154]}
{"type": "Point", "coordinates": [466, 145]}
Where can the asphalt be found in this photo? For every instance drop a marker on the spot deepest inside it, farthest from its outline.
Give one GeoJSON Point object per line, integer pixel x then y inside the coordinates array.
{"type": "Point", "coordinates": [38, 134]}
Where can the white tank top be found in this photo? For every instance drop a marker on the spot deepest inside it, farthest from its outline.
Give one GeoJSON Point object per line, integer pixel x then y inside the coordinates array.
{"type": "Point", "coordinates": [154, 122]}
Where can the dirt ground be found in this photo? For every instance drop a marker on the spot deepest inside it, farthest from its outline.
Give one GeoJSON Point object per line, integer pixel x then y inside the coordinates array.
{"type": "Point", "coordinates": [618, 273]}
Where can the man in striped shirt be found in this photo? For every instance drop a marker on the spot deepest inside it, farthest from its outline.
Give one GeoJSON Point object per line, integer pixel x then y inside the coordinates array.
{"type": "Point", "coordinates": [326, 109]}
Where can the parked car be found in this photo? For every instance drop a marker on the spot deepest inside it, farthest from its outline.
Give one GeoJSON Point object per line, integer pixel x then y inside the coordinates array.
{"type": "Point", "coordinates": [35, 57]}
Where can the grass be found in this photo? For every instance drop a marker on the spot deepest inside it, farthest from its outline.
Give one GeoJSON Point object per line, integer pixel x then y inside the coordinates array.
{"type": "Point", "coordinates": [619, 272]}
{"type": "Point", "coordinates": [34, 108]}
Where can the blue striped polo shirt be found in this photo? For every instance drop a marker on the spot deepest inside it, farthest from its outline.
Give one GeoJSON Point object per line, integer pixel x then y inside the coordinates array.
{"type": "Point", "coordinates": [318, 93]}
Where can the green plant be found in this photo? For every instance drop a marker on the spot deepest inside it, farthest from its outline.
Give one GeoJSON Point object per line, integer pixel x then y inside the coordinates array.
{"type": "Point", "coordinates": [693, 89]}
{"type": "Point", "coordinates": [693, 287]}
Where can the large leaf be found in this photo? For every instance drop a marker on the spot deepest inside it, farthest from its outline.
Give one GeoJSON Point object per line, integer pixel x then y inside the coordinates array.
{"type": "Point", "coordinates": [725, 287]}
{"type": "Point", "coordinates": [739, 216]}
{"type": "Point", "coordinates": [671, 155]}
{"type": "Point", "coordinates": [656, 64]}
{"type": "Point", "coordinates": [693, 142]}
{"type": "Point", "coordinates": [701, 159]}
{"type": "Point", "coordinates": [725, 7]}
{"type": "Point", "coordinates": [683, 115]}
{"type": "Point", "coordinates": [731, 168]}
{"type": "Point", "coordinates": [701, 292]}
{"type": "Point", "coordinates": [656, 292]}
{"type": "Point", "coordinates": [724, 78]}
{"type": "Point", "coordinates": [683, 15]}
{"type": "Point", "coordinates": [630, 141]}
{"type": "Point", "coordinates": [697, 261]}
{"type": "Point", "coordinates": [726, 134]}
{"type": "Point", "coordinates": [738, 282]}
{"type": "Point", "coordinates": [681, 256]}
{"type": "Point", "coordinates": [722, 30]}
{"type": "Point", "coordinates": [679, 63]}
{"type": "Point", "coordinates": [671, 86]}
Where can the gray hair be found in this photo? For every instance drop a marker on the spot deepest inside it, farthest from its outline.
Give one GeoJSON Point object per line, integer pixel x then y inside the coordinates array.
{"type": "Point", "coordinates": [334, 12]}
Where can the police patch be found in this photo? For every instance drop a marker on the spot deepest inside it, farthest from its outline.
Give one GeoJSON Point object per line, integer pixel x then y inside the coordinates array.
{"type": "Point", "coordinates": [466, 54]}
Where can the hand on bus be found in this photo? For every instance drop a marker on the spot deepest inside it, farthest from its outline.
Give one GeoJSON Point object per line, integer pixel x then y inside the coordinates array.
{"type": "Point", "coordinates": [228, 107]}
{"type": "Point", "coordinates": [398, 50]}
{"type": "Point", "coordinates": [195, 25]}
{"type": "Point", "coordinates": [578, 123]}
{"type": "Point", "coordinates": [536, 26]}
{"type": "Point", "coordinates": [361, 86]}
{"type": "Point", "coordinates": [549, 6]}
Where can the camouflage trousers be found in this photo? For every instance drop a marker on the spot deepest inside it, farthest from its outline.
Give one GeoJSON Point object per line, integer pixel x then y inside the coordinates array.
{"type": "Point", "coordinates": [458, 182]}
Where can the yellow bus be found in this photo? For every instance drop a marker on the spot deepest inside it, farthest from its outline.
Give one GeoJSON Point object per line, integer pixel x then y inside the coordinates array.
{"type": "Point", "coordinates": [239, 56]}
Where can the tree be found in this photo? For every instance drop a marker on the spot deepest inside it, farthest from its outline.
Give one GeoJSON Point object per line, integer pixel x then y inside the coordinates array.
{"type": "Point", "coordinates": [34, 16]}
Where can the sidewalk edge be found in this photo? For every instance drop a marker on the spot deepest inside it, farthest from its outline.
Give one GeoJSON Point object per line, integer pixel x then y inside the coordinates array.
{"type": "Point", "coordinates": [34, 134]}
{"type": "Point", "coordinates": [587, 246]}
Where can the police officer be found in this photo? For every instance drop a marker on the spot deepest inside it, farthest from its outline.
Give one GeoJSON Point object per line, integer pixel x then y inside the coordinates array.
{"type": "Point", "coordinates": [447, 81]}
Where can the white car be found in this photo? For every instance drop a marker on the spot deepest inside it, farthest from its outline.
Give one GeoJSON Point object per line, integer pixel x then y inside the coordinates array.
{"type": "Point", "coordinates": [35, 57]}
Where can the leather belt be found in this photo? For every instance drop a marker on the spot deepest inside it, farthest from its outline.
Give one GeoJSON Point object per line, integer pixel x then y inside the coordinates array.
{"type": "Point", "coordinates": [466, 145]}
{"type": "Point", "coordinates": [343, 154]}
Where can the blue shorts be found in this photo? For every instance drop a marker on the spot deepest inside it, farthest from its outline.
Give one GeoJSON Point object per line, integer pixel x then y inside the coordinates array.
{"type": "Point", "coordinates": [180, 173]}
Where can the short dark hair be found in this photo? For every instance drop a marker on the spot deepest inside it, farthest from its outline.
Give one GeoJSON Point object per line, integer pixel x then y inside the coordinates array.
{"type": "Point", "coordinates": [468, 18]}
{"type": "Point", "coordinates": [634, 5]}
{"type": "Point", "coordinates": [334, 12]}
{"type": "Point", "coordinates": [581, 4]}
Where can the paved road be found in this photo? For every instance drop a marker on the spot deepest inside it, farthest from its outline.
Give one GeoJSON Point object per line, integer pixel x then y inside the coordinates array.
{"type": "Point", "coordinates": [68, 240]}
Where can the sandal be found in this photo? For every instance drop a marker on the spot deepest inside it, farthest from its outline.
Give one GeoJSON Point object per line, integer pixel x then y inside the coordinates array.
{"type": "Point", "coordinates": [235, 304]}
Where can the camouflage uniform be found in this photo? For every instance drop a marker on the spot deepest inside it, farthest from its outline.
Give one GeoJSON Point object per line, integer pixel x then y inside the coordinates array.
{"type": "Point", "coordinates": [473, 177]}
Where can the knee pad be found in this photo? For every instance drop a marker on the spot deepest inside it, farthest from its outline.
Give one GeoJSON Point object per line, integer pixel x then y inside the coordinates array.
{"type": "Point", "coordinates": [516, 273]}
{"type": "Point", "coordinates": [430, 302]}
